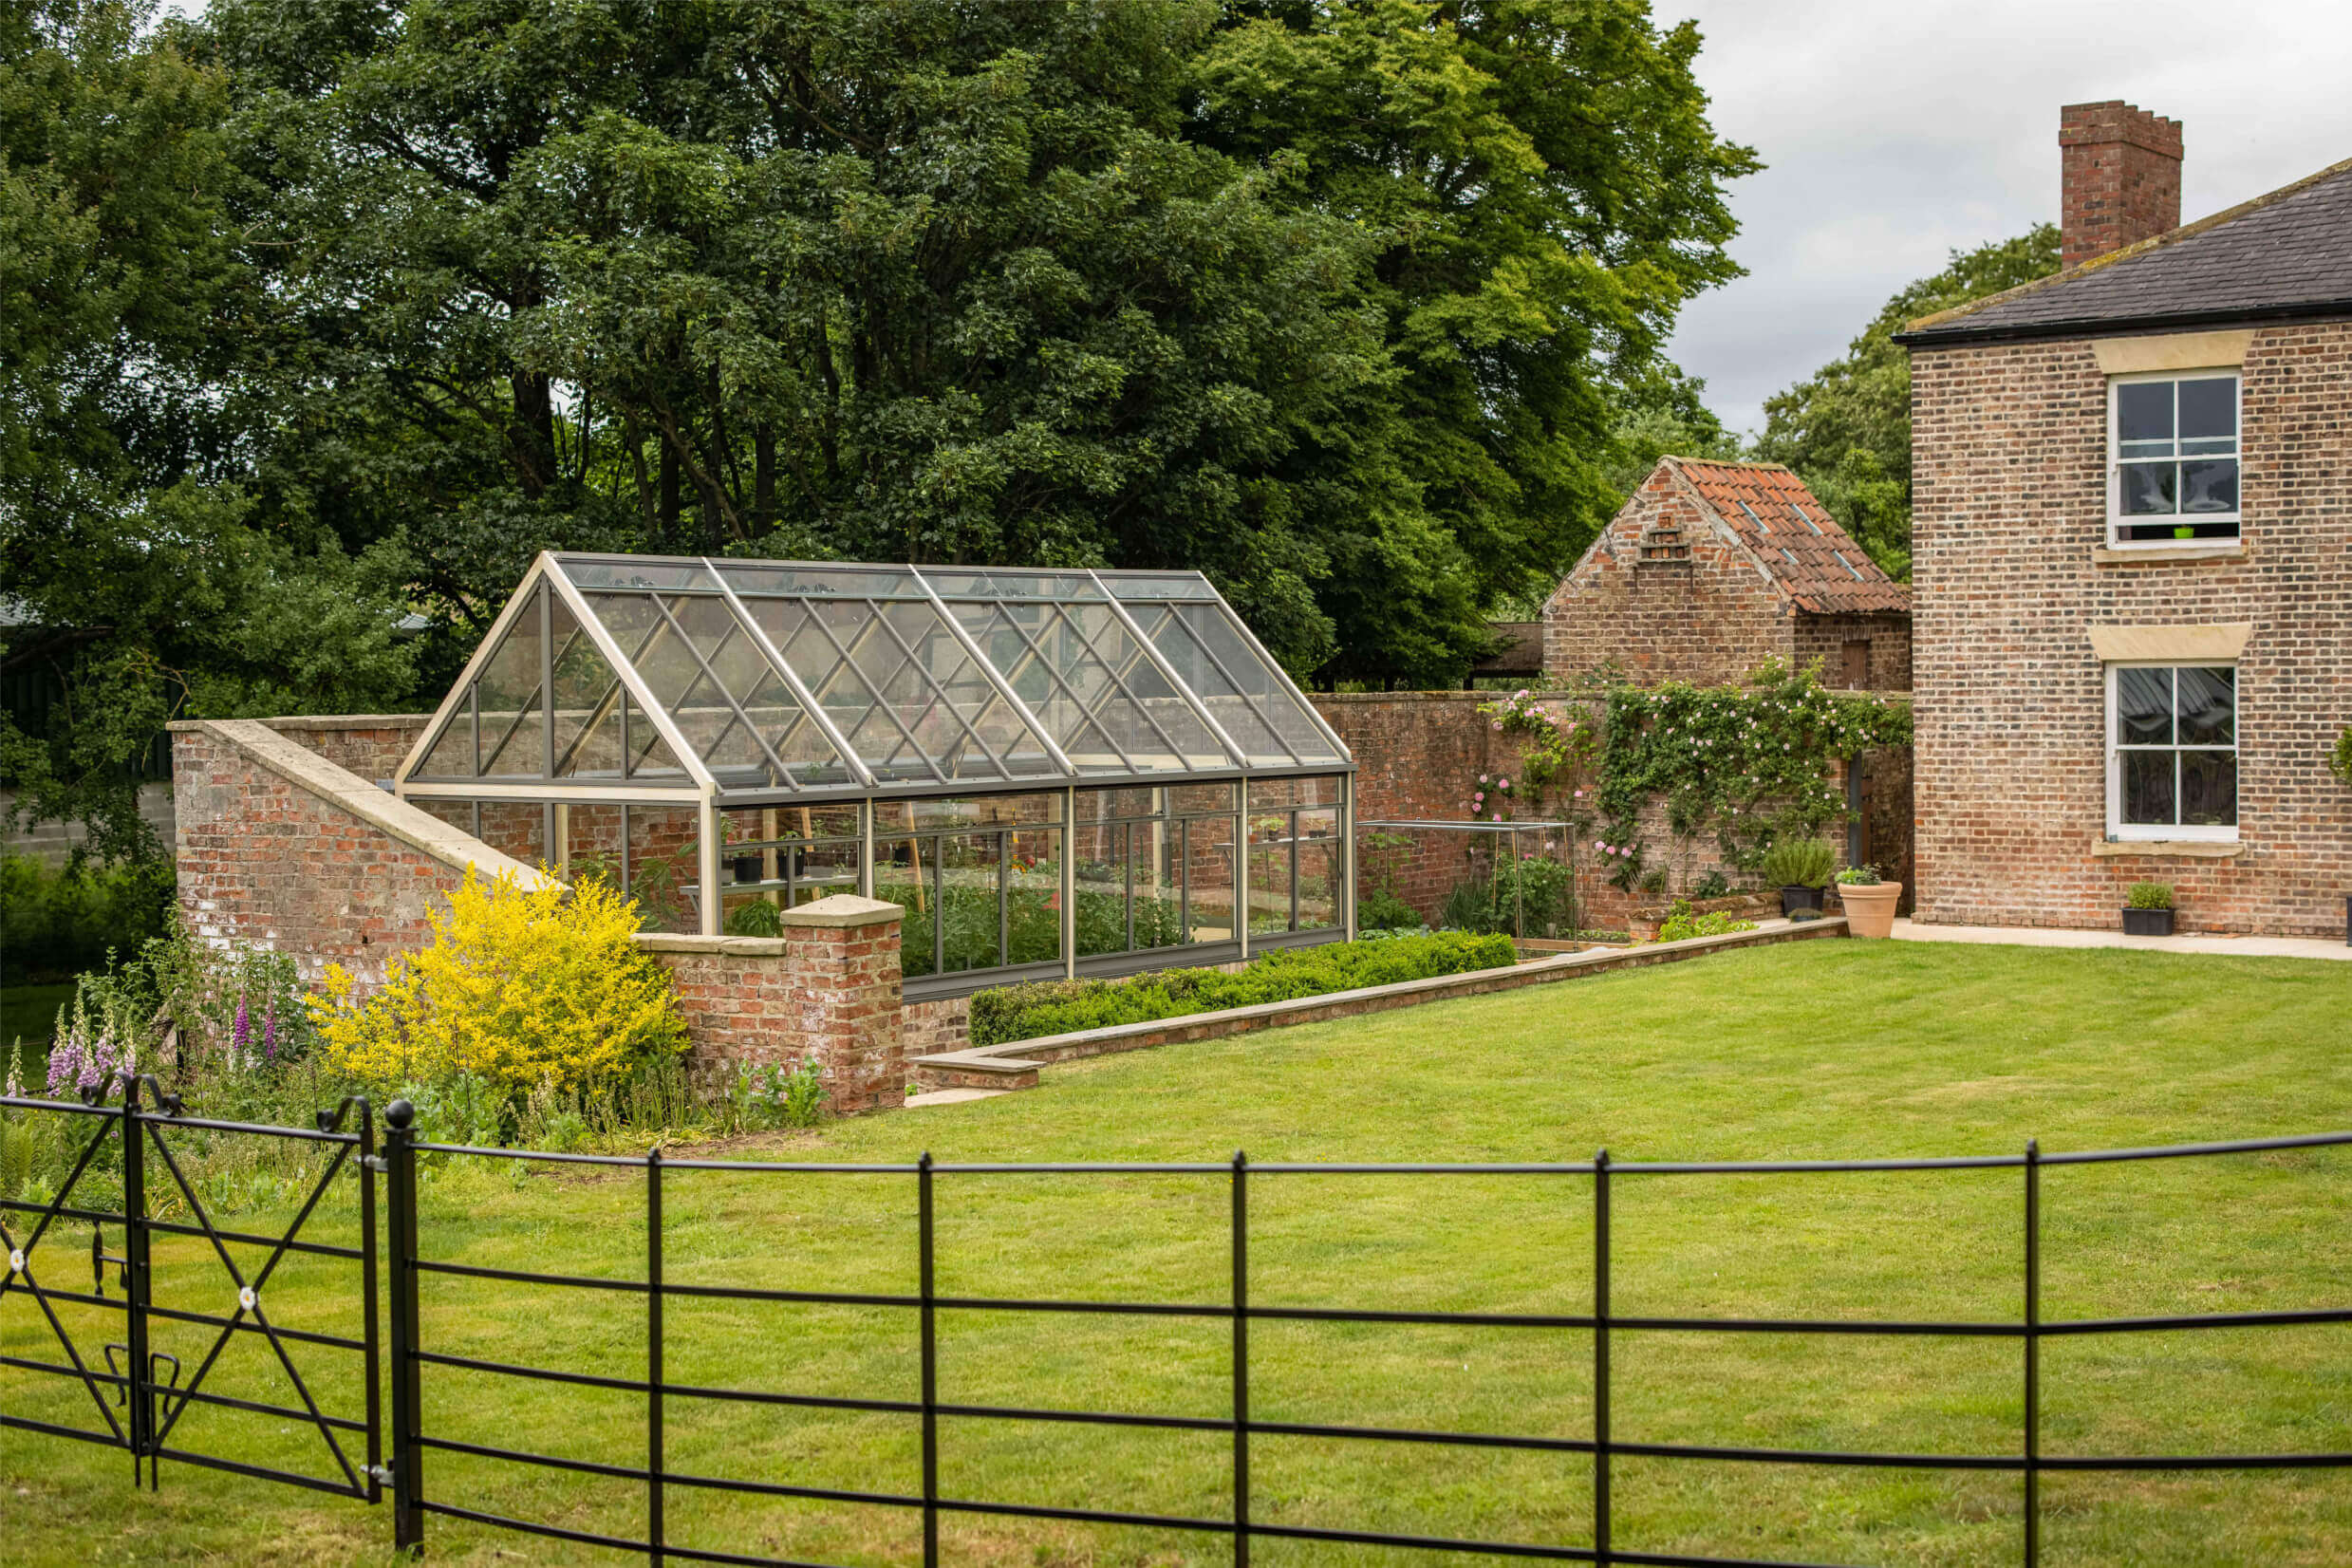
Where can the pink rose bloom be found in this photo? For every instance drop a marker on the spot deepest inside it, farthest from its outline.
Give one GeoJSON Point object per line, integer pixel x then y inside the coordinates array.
{"type": "Point", "coordinates": [1498, 723]}
{"type": "Point", "coordinates": [1506, 784]}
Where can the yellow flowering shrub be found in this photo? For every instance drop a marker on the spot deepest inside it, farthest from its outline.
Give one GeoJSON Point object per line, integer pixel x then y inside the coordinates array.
{"type": "Point", "coordinates": [525, 989]}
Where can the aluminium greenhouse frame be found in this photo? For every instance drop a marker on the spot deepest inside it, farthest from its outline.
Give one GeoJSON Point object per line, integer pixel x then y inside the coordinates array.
{"type": "Point", "coordinates": [749, 691]}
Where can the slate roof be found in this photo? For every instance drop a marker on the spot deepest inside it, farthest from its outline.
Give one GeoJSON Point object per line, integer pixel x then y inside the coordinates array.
{"type": "Point", "coordinates": [2285, 255]}
{"type": "Point", "coordinates": [1815, 563]}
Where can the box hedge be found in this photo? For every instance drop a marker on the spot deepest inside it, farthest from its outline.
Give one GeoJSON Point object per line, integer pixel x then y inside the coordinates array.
{"type": "Point", "coordinates": [1059, 1007]}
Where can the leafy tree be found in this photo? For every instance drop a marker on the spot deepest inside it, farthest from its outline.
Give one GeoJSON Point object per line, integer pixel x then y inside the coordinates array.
{"type": "Point", "coordinates": [1325, 301]}
{"type": "Point", "coordinates": [1846, 430]}
{"type": "Point", "coordinates": [1663, 414]}
{"type": "Point", "coordinates": [1545, 193]}
{"type": "Point", "coordinates": [139, 587]}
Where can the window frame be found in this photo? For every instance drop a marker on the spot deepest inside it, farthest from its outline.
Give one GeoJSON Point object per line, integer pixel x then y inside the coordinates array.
{"type": "Point", "coordinates": [2117, 520]}
{"type": "Point", "coordinates": [2120, 832]}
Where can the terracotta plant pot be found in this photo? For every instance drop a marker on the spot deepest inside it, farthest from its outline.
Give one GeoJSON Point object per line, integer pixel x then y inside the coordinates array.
{"type": "Point", "coordinates": [1870, 909]}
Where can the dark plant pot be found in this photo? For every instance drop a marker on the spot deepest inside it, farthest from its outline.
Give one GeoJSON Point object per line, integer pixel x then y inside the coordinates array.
{"type": "Point", "coordinates": [1794, 899]}
{"type": "Point", "coordinates": [2147, 923]}
{"type": "Point", "coordinates": [746, 868]}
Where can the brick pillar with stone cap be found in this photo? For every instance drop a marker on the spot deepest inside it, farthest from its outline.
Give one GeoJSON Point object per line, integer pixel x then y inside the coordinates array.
{"type": "Point", "coordinates": [842, 970]}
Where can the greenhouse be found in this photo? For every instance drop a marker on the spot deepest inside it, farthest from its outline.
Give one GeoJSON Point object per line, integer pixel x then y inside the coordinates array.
{"type": "Point", "coordinates": [1055, 773]}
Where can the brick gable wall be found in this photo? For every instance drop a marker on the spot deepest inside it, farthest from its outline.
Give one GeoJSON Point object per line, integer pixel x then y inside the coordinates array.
{"type": "Point", "coordinates": [1825, 636]}
{"type": "Point", "coordinates": [2010, 446]}
{"type": "Point", "coordinates": [1708, 618]}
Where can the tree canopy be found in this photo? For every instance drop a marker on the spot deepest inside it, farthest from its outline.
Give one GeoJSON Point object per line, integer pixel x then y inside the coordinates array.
{"type": "Point", "coordinates": [1347, 304]}
{"type": "Point", "coordinates": [1846, 429]}
{"type": "Point", "coordinates": [138, 584]}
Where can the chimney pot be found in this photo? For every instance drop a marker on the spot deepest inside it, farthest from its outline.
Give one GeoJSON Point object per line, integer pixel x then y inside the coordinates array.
{"type": "Point", "coordinates": [2120, 180]}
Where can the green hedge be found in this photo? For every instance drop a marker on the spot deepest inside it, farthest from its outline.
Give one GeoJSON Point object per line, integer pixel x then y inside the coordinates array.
{"type": "Point", "coordinates": [1059, 1007]}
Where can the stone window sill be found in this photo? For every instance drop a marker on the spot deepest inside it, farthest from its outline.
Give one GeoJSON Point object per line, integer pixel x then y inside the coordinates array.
{"type": "Point", "coordinates": [2210, 550]}
{"type": "Point", "coordinates": [2186, 848]}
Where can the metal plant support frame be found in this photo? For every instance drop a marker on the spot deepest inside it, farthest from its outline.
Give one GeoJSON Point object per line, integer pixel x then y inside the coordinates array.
{"type": "Point", "coordinates": [1563, 832]}
{"type": "Point", "coordinates": [152, 1401]}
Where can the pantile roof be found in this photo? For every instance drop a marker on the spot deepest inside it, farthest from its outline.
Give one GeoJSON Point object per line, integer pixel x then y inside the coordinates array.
{"type": "Point", "coordinates": [1815, 563]}
{"type": "Point", "coordinates": [2285, 255]}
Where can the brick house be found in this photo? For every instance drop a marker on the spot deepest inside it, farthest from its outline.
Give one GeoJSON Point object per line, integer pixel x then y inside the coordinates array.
{"type": "Point", "coordinates": [1710, 568]}
{"type": "Point", "coordinates": [2133, 558]}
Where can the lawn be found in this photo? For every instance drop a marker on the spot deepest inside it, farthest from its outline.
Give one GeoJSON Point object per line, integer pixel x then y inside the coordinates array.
{"type": "Point", "coordinates": [1813, 1050]}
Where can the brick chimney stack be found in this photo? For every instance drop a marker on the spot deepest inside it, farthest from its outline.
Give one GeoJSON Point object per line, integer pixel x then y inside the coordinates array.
{"type": "Point", "coordinates": [2121, 179]}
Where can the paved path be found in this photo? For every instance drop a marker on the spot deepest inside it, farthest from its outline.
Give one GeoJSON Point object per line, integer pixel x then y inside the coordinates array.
{"type": "Point", "coordinates": [2043, 936]}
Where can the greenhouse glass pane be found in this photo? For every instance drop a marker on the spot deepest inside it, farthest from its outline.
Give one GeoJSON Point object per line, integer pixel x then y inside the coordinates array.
{"type": "Point", "coordinates": [650, 757]}
{"type": "Point", "coordinates": [1099, 857]}
{"type": "Point", "coordinates": [814, 639]}
{"type": "Point", "coordinates": [1093, 687]}
{"type": "Point", "coordinates": [821, 582]}
{"type": "Point", "coordinates": [636, 575]}
{"type": "Point", "coordinates": [1175, 585]}
{"type": "Point", "coordinates": [1251, 726]}
{"type": "Point", "coordinates": [451, 755]}
{"type": "Point", "coordinates": [971, 915]}
{"type": "Point", "coordinates": [1169, 719]}
{"type": "Point", "coordinates": [1033, 896]}
{"type": "Point", "coordinates": [1220, 637]}
{"type": "Point", "coordinates": [587, 702]}
{"type": "Point", "coordinates": [513, 725]}
{"type": "Point", "coordinates": [1012, 584]}
{"type": "Point", "coordinates": [963, 718]}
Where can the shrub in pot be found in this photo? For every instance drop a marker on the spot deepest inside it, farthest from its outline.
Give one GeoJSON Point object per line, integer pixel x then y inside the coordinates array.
{"type": "Point", "coordinates": [2148, 909]}
{"type": "Point", "coordinates": [1869, 901]}
{"type": "Point", "coordinates": [1800, 868]}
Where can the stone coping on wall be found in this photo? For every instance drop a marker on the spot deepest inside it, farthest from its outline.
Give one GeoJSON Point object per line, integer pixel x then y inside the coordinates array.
{"type": "Point", "coordinates": [347, 792]}
{"type": "Point", "coordinates": [843, 909]}
{"type": "Point", "coordinates": [1013, 1064]}
{"type": "Point", "coordinates": [742, 948]}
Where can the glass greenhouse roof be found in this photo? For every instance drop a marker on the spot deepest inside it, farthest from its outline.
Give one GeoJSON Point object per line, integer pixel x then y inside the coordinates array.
{"type": "Point", "coordinates": [652, 677]}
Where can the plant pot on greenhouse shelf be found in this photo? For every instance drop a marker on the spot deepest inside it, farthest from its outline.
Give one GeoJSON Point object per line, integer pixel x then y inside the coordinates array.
{"type": "Point", "coordinates": [1869, 901]}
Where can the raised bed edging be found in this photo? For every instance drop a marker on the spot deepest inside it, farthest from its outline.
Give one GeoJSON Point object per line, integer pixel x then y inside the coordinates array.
{"type": "Point", "coordinates": [1014, 1063]}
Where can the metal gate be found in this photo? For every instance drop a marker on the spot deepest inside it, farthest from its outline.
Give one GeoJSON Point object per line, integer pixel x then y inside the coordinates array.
{"type": "Point", "coordinates": [152, 1402]}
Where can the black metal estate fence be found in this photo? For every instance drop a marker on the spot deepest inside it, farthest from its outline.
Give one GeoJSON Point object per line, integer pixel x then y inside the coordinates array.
{"type": "Point", "coordinates": [410, 1358]}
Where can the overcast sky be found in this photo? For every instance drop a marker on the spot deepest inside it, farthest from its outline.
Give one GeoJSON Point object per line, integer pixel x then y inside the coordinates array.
{"type": "Point", "coordinates": [1895, 130]}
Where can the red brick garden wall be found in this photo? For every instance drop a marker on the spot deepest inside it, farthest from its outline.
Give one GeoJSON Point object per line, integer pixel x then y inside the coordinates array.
{"type": "Point", "coordinates": [370, 745]}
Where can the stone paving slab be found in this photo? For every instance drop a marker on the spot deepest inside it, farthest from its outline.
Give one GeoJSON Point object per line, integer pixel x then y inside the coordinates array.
{"type": "Point", "coordinates": [2047, 936]}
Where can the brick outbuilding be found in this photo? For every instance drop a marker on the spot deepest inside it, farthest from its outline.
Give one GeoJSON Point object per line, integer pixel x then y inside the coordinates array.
{"type": "Point", "coordinates": [2133, 558]}
{"type": "Point", "coordinates": [1710, 568]}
